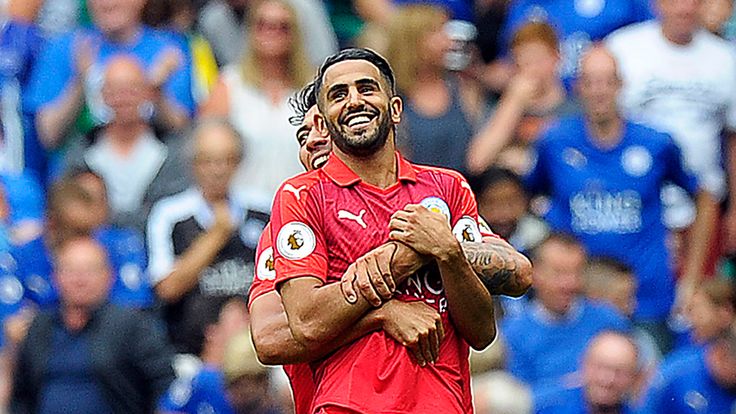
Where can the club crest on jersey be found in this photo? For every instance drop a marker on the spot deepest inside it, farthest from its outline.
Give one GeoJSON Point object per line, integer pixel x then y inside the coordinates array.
{"type": "Point", "coordinates": [265, 269]}
{"type": "Point", "coordinates": [466, 230]}
{"type": "Point", "coordinates": [636, 160]}
{"type": "Point", "coordinates": [296, 241]}
{"type": "Point", "coordinates": [437, 205]}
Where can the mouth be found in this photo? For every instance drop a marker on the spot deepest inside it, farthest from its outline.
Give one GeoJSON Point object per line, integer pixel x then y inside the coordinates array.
{"type": "Point", "coordinates": [320, 159]}
{"type": "Point", "coordinates": [359, 121]}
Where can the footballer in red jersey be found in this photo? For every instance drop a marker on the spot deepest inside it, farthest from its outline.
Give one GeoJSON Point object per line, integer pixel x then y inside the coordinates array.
{"type": "Point", "coordinates": [325, 221]}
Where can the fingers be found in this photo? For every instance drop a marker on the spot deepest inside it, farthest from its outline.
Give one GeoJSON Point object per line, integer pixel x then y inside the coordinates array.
{"type": "Point", "coordinates": [384, 267]}
{"type": "Point", "coordinates": [424, 348]}
{"type": "Point", "coordinates": [434, 345]}
{"type": "Point", "coordinates": [376, 278]}
{"type": "Point", "coordinates": [365, 287]}
{"type": "Point", "coordinates": [347, 287]}
{"type": "Point", "coordinates": [418, 355]}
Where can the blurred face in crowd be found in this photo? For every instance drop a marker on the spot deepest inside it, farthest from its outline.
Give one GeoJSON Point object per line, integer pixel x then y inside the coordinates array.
{"type": "Point", "coordinates": [558, 270]}
{"type": "Point", "coordinates": [609, 370]}
{"type": "Point", "coordinates": [502, 205]}
{"type": "Point", "coordinates": [272, 30]}
{"type": "Point", "coordinates": [598, 85]}
{"type": "Point", "coordinates": [357, 107]}
{"type": "Point", "coordinates": [622, 294]}
{"type": "Point", "coordinates": [116, 16]}
{"type": "Point", "coordinates": [217, 154]}
{"type": "Point", "coordinates": [95, 188]}
{"type": "Point", "coordinates": [76, 214]}
{"type": "Point", "coordinates": [708, 318]}
{"type": "Point", "coordinates": [715, 13]}
{"type": "Point", "coordinates": [538, 61]}
{"type": "Point", "coordinates": [314, 147]}
{"type": "Point", "coordinates": [125, 90]}
{"type": "Point", "coordinates": [83, 273]}
{"type": "Point", "coordinates": [680, 19]}
{"type": "Point", "coordinates": [435, 44]}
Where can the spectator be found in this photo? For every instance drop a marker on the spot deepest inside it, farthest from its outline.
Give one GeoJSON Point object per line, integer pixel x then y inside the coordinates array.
{"type": "Point", "coordinates": [695, 107]}
{"type": "Point", "coordinates": [79, 210]}
{"type": "Point", "coordinates": [89, 356]}
{"type": "Point", "coordinates": [202, 389]}
{"type": "Point", "coordinates": [604, 175]}
{"type": "Point", "coordinates": [534, 97]}
{"type": "Point", "coordinates": [177, 18]}
{"type": "Point", "coordinates": [24, 207]}
{"type": "Point", "coordinates": [138, 169]}
{"type": "Point", "coordinates": [254, 95]}
{"type": "Point", "coordinates": [499, 393]}
{"type": "Point", "coordinates": [441, 109]}
{"type": "Point", "coordinates": [714, 14]}
{"type": "Point", "coordinates": [609, 372]}
{"type": "Point", "coordinates": [224, 24]}
{"type": "Point", "coordinates": [504, 204]}
{"type": "Point", "coordinates": [578, 24]}
{"type": "Point", "coordinates": [711, 311]}
{"type": "Point", "coordinates": [69, 72]}
{"type": "Point", "coordinates": [562, 320]}
{"type": "Point", "coordinates": [20, 42]}
{"type": "Point", "coordinates": [701, 381]}
{"type": "Point", "coordinates": [202, 241]}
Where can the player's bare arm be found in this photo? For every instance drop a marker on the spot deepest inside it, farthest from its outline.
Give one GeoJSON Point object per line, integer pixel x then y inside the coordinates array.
{"type": "Point", "coordinates": [469, 302]}
{"type": "Point", "coordinates": [319, 313]}
{"type": "Point", "coordinates": [404, 322]}
{"type": "Point", "coordinates": [502, 269]}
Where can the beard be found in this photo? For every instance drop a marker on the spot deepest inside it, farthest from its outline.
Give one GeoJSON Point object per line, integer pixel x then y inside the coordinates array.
{"type": "Point", "coordinates": [363, 144]}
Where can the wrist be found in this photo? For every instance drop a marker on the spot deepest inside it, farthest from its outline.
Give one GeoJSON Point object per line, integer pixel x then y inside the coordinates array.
{"type": "Point", "coordinates": [451, 253]}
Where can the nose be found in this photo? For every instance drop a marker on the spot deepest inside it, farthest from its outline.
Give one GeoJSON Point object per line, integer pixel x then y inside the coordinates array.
{"type": "Point", "coordinates": [355, 98]}
{"type": "Point", "coordinates": [315, 140]}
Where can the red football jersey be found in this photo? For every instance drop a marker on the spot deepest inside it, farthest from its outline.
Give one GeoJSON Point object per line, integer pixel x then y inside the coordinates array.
{"type": "Point", "coordinates": [323, 221]}
{"type": "Point", "coordinates": [300, 375]}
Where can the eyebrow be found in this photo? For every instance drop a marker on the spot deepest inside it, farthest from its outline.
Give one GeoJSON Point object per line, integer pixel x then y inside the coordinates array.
{"type": "Point", "coordinates": [361, 81]}
{"type": "Point", "coordinates": [301, 129]}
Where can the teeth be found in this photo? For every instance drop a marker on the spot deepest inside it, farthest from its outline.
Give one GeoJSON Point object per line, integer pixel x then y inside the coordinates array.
{"type": "Point", "coordinates": [361, 119]}
{"type": "Point", "coordinates": [319, 161]}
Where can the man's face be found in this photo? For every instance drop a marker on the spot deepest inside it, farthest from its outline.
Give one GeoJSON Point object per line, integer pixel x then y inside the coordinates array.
{"type": "Point", "coordinates": [536, 60]}
{"type": "Point", "coordinates": [598, 86]}
{"type": "Point", "coordinates": [609, 370]}
{"type": "Point", "coordinates": [502, 204]}
{"type": "Point", "coordinates": [708, 319]}
{"type": "Point", "coordinates": [680, 18]}
{"type": "Point", "coordinates": [95, 187]}
{"type": "Point", "coordinates": [111, 16]}
{"type": "Point", "coordinates": [125, 90]}
{"type": "Point", "coordinates": [82, 274]}
{"type": "Point", "coordinates": [314, 147]}
{"type": "Point", "coordinates": [558, 275]}
{"type": "Point", "coordinates": [216, 158]}
{"type": "Point", "coordinates": [357, 107]}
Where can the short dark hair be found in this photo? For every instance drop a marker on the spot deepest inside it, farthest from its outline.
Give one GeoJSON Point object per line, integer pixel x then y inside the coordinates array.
{"type": "Point", "coordinates": [493, 176]}
{"type": "Point", "coordinates": [356, 54]}
{"type": "Point", "coordinates": [302, 102]}
{"type": "Point", "coordinates": [565, 239]}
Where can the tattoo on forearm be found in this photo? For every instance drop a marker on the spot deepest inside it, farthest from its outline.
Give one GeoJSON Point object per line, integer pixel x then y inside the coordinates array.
{"type": "Point", "coordinates": [497, 266]}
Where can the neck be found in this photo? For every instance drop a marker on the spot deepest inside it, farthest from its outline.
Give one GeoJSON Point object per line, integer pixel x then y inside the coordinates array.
{"type": "Point", "coordinates": [604, 409]}
{"type": "Point", "coordinates": [276, 68]}
{"type": "Point", "coordinates": [677, 38]}
{"type": "Point", "coordinates": [123, 137]}
{"type": "Point", "coordinates": [378, 169]}
{"type": "Point", "coordinates": [124, 35]}
{"type": "Point", "coordinates": [75, 317]}
{"type": "Point", "coordinates": [606, 132]}
{"type": "Point", "coordinates": [213, 355]}
{"type": "Point", "coordinates": [213, 198]}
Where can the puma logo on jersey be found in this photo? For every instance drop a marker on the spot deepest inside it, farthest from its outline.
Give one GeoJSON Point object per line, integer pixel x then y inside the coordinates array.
{"type": "Point", "coordinates": [342, 214]}
{"type": "Point", "coordinates": [296, 191]}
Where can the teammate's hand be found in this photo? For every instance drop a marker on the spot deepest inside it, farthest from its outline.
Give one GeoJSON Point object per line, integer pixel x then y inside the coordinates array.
{"type": "Point", "coordinates": [425, 231]}
{"type": "Point", "coordinates": [370, 276]}
{"type": "Point", "coordinates": [416, 326]}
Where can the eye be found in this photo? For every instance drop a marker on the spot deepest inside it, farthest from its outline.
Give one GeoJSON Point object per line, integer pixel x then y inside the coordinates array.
{"type": "Point", "coordinates": [301, 138]}
{"type": "Point", "coordinates": [339, 95]}
{"type": "Point", "coordinates": [366, 89]}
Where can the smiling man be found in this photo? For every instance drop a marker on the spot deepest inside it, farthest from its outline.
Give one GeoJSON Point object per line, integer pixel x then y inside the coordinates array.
{"type": "Point", "coordinates": [326, 224]}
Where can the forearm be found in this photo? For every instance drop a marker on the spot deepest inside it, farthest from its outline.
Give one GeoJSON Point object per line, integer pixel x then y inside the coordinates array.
{"type": "Point", "coordinates": [169, 114]}
{"type": "Point", "coordinates": [319, 313]}
{"type": "Point", "coordinates": [54, 120]}
{"type": "Point", "coordinates": [495, 135]}
{"type": "Point", "coordinates": [700, 237]}
{"type": "Point", "coordinates": [275, 344]}
{"type": "Point", "coordinates": [501, 269]}
{"type": "Point", "coordinates": [190, 265]}
{"type": "Point", "coordinates": [469, 303]}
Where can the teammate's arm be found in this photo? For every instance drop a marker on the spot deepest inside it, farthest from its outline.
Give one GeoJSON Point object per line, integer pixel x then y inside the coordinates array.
{"type": "Point", "coordinates": [469, 302]}
{"type": "Point", "coordinates": [318, 313]}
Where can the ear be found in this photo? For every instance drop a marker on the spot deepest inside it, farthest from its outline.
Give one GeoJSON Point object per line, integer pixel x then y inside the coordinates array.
{"type": "Point", "coordinates": [396, 106]}
{"type": "Point", "coordinates": [320, 124]}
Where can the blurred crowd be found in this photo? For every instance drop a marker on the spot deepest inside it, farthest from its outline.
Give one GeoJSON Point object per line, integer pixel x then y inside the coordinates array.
{"type": "Point", "coordinates": [141, 143]}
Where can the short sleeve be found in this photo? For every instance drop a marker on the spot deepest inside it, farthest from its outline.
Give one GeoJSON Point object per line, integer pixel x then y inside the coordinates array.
{"type": "Point", "coordinates": [50, 74]}
{"type": "Point", "coordinates": [463, 210]}
{"type": "Point", "coordinates": [296, 233]}
{"type": "Point", "coordinates": [676, 171]}
{"type": "Point", "coordinates": [265, 271]}
{"type": "Point", "coordinates": [159, 233]}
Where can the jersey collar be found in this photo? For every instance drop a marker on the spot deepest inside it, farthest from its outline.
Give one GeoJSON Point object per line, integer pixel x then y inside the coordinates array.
{"type": "Point", "coordinates": [343, 176]}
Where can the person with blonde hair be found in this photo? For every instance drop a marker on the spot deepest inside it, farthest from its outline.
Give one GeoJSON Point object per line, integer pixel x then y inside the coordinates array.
{"type": "Point", "coordinates": [441, 109]}
{"type": "Point", "coordinates": [254, 96]}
